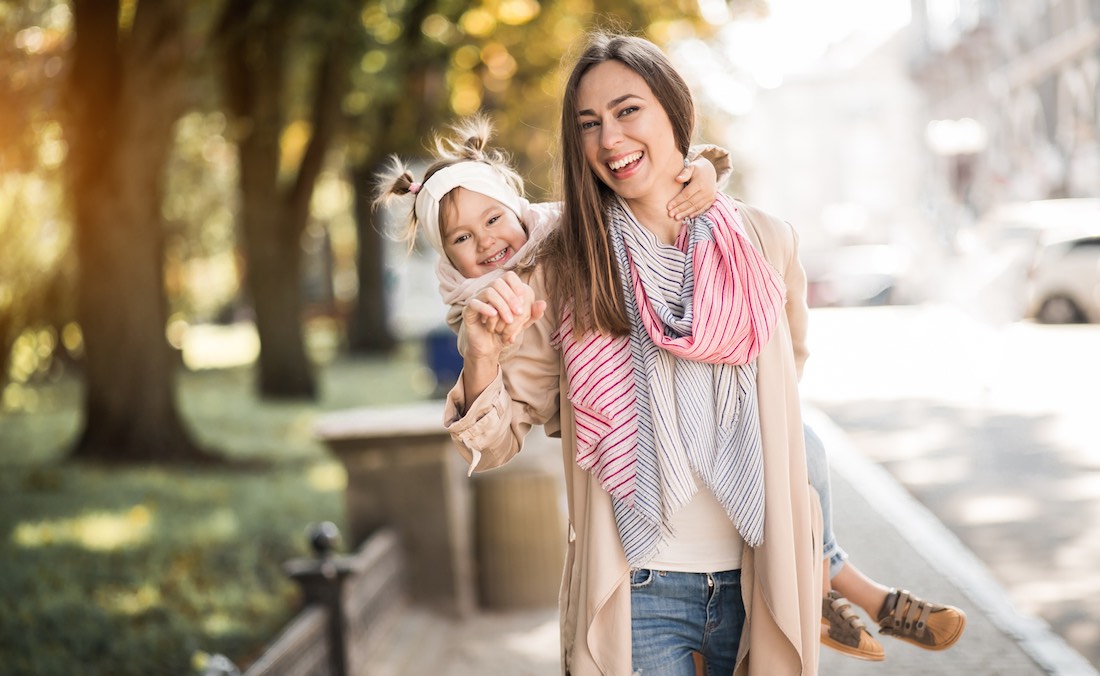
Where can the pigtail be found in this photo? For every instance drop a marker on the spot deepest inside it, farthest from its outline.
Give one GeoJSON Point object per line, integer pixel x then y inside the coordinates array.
{"type": "Point", "coordinates": [468, 141]}
{"type": "Point", "coordinates": [393, 182]}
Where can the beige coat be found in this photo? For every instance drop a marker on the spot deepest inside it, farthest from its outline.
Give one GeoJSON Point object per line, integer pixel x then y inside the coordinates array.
{"type": "Point", "coordinates": [781, 579]}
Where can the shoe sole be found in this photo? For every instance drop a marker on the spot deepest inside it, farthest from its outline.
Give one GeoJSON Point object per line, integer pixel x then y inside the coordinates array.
{"type": "Point", "coordinates": [848, 650]}
{"type": "Point", "coordinates": [943, 646]}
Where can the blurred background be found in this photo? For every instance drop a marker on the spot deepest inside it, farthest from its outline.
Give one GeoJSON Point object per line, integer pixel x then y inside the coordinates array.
{"type": "Point", "coordinates": [191, 270]}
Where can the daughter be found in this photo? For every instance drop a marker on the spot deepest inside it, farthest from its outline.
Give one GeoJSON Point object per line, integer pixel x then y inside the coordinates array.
{"type": "Point", "coordinates": [471, 205]}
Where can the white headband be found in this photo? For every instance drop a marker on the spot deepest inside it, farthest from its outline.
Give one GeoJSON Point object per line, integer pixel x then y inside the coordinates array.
{"type": "Point", "coordinates": [477, 176]}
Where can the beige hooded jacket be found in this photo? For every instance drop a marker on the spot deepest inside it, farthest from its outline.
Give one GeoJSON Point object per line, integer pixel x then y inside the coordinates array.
{"type": "Point", "coordinates": [781, 579]}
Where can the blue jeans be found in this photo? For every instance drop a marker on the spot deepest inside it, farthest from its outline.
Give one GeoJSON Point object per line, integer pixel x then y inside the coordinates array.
{"type": "Point", "coordinates": [817, 466]}
{"type": "Point", "coordinates": [673, 615]}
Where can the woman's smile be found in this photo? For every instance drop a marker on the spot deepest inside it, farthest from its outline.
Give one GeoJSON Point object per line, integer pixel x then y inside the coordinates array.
{"type": "Point", "coordinates": [626, 163]}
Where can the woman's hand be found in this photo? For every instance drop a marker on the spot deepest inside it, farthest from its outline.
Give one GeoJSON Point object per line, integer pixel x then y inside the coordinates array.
{"type": "Point", "coordinates": [498, 314]}
{"type": "Point", "coordinates": [700, 188]}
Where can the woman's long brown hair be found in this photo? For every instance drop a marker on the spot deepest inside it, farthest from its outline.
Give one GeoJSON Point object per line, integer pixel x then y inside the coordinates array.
{"type": "Point", "coordinates": [578, 257]}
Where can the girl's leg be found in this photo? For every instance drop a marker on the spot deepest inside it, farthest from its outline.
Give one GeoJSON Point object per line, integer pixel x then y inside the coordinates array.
{"type": "Point", "coordinates": [817, 467]}
{"type": "Point", "coordinates": [861, 590]}
{"type": "Point", "coordinates": [941, 626]}
{"type": "Point", "coordinates": [842, 628]}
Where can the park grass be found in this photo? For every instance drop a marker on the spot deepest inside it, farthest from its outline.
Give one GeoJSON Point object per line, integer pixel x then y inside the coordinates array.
{"type": "Point", "coordinates": [120, 571]}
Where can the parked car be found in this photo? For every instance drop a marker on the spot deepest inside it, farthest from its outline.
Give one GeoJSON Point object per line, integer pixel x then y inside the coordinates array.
{"type": "Point", "coordinates": [855, 275]}
{"type": "Point", "coordinates": [1064, 282]}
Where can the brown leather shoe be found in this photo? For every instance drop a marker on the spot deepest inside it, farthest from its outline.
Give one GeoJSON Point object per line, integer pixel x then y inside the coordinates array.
{"type": "Point", "coordinates": [842, 630]}
{"type": "Point", "coordinates": [926, 625]}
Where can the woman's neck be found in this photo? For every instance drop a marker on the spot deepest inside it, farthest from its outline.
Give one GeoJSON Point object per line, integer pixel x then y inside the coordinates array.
{"type": "Point", "coordinates": [652, 212]}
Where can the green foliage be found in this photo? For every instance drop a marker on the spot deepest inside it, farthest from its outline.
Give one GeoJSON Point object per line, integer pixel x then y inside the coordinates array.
{"type": "Point", "coordinates": [130, 572]}
{"type": "Point", "coordinates": [425, 64]}
{"type": "Point", "coordinates": [201, 263]}
{"type": "Point", "coordinates": [35, 269]}
{"type": "Point", "coordinates": [110, 571]}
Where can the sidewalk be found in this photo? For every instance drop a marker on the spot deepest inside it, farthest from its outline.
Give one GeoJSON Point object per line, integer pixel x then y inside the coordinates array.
{"type": "Point", "coordinates": [887, 534]}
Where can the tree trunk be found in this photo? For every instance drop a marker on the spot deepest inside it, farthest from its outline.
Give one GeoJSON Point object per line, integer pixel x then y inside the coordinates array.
{"type": "Point", "coordinates": [274, 215]}
{"type": "Point", "coordinates": [272, 244]}
{"type": "Point", "coordinates": [125, 96]}
{"type": "Point", "coordinates": [401, 122]}
{"type": "Point", "coordinates": [369, 332]}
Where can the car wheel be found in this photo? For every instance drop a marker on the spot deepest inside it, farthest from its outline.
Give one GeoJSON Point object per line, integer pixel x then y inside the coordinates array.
{"type": "Point", "coordinates": [1059, 310]}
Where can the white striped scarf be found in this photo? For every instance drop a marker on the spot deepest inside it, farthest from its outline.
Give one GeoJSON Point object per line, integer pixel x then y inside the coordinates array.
{"type": "Point", "coordinates": [713, 302]}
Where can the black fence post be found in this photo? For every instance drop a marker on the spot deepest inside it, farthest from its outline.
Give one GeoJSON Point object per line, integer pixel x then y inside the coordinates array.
{"type": "Point", "coordinates": [322, 580]}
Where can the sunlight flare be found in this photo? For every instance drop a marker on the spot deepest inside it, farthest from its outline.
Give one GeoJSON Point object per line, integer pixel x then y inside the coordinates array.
{"type": "Point", "coordinates": [98, 531]}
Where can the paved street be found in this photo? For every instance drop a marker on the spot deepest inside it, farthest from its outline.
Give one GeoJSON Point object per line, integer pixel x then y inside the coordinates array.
{"type": "Point", "coordinates": [992, 428]}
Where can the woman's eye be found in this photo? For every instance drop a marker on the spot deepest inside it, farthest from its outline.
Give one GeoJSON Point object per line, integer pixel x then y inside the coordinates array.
{"type": "Point", "coordinates": [588, 124]}
{"type": "Point", "coordinates": [628, 110]}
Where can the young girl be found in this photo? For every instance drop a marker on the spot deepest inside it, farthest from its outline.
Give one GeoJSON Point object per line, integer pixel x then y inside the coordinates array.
{"type": "Point", "coordinates": [481, 232]}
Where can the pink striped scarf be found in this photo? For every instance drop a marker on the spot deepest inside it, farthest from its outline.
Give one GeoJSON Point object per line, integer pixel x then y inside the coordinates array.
{"type": "Point", "coordinates": [735, 308]}
{"type": "Point", "coordinates": [736, 301]}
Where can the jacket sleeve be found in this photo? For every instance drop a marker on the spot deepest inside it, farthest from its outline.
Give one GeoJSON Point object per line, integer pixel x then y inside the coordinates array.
{"type": "Point", "coordinates": [718, 156]}
{"type": "Point", "coordinates": [489, 431]}
{"type": "Point", "coordinates": [794, 276]}
{"type": "Point", "coordinates": [779, 241]}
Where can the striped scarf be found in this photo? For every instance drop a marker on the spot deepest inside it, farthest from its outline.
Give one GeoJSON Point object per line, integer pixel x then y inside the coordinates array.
{"type": "Point", "coordinates": [711, 304]}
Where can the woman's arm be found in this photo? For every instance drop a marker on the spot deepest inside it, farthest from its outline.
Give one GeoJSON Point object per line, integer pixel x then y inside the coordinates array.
{"type": "Point", "coordinates": [797, 311]}
{"type": "Point", "coordinates": [493, 320]}
{"type": "Point", "coordinates": [494, 404]}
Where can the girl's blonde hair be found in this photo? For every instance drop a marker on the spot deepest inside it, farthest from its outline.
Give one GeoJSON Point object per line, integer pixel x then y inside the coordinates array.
{"type": "Point", "coordinates": [467, 141]}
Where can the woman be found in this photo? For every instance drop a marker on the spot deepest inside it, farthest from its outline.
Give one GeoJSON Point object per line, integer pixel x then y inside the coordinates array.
{"type": "Point", "coordinates": [673, 386]}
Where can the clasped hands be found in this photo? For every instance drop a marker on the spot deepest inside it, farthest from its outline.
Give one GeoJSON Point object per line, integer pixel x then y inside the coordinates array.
{"type": "Point", "coordinates": [498, 314]}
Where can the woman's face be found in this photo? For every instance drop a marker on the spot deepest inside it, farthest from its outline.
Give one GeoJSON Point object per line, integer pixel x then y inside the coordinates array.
{"type": "Point", "coordinates": [479, 233]}
{"type": "Point", "coordinates": [627, 136]}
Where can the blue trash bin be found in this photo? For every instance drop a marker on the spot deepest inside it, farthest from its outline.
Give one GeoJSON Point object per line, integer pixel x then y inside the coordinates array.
{"type": "Point", "coordinates": [444, 360]}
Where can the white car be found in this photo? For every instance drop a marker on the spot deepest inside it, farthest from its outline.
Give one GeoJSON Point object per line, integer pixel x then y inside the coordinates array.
{"type": "Point", "coordinates": [1064, 282]}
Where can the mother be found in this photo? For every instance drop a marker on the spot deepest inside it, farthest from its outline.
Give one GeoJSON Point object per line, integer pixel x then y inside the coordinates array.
{"type": "Point", "coordinates": [677, 347]}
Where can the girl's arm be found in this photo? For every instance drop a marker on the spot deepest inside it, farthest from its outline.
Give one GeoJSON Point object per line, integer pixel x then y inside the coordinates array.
{"type": "Point", "coordinates": [708, 165]}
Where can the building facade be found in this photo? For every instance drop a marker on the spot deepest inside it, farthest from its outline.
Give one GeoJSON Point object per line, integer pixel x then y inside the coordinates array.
{"type": "Point", "coordinates": [1012, 89]}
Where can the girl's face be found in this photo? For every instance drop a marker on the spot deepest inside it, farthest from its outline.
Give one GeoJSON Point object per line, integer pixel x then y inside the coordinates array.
{"type": "Point", "coordinates": [627, 137]}
{"type": "Point", "coordinates": [479, 233]}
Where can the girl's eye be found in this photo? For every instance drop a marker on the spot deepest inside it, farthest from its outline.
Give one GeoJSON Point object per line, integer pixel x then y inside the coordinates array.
{"type": "Point", "coordinates": [494, 219]}
{"type": "Point", "coordinates": [461, 238]}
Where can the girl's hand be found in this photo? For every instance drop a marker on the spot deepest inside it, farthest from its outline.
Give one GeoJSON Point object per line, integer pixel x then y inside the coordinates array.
{"type": "Point", "coordinates": [700, 188]}
{"type": "Point", "coordinates": [498, 314]}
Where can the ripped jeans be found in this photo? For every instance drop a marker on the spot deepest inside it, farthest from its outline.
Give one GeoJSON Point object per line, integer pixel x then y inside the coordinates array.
{"type": "Point", "coordinates": [674, 614]}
